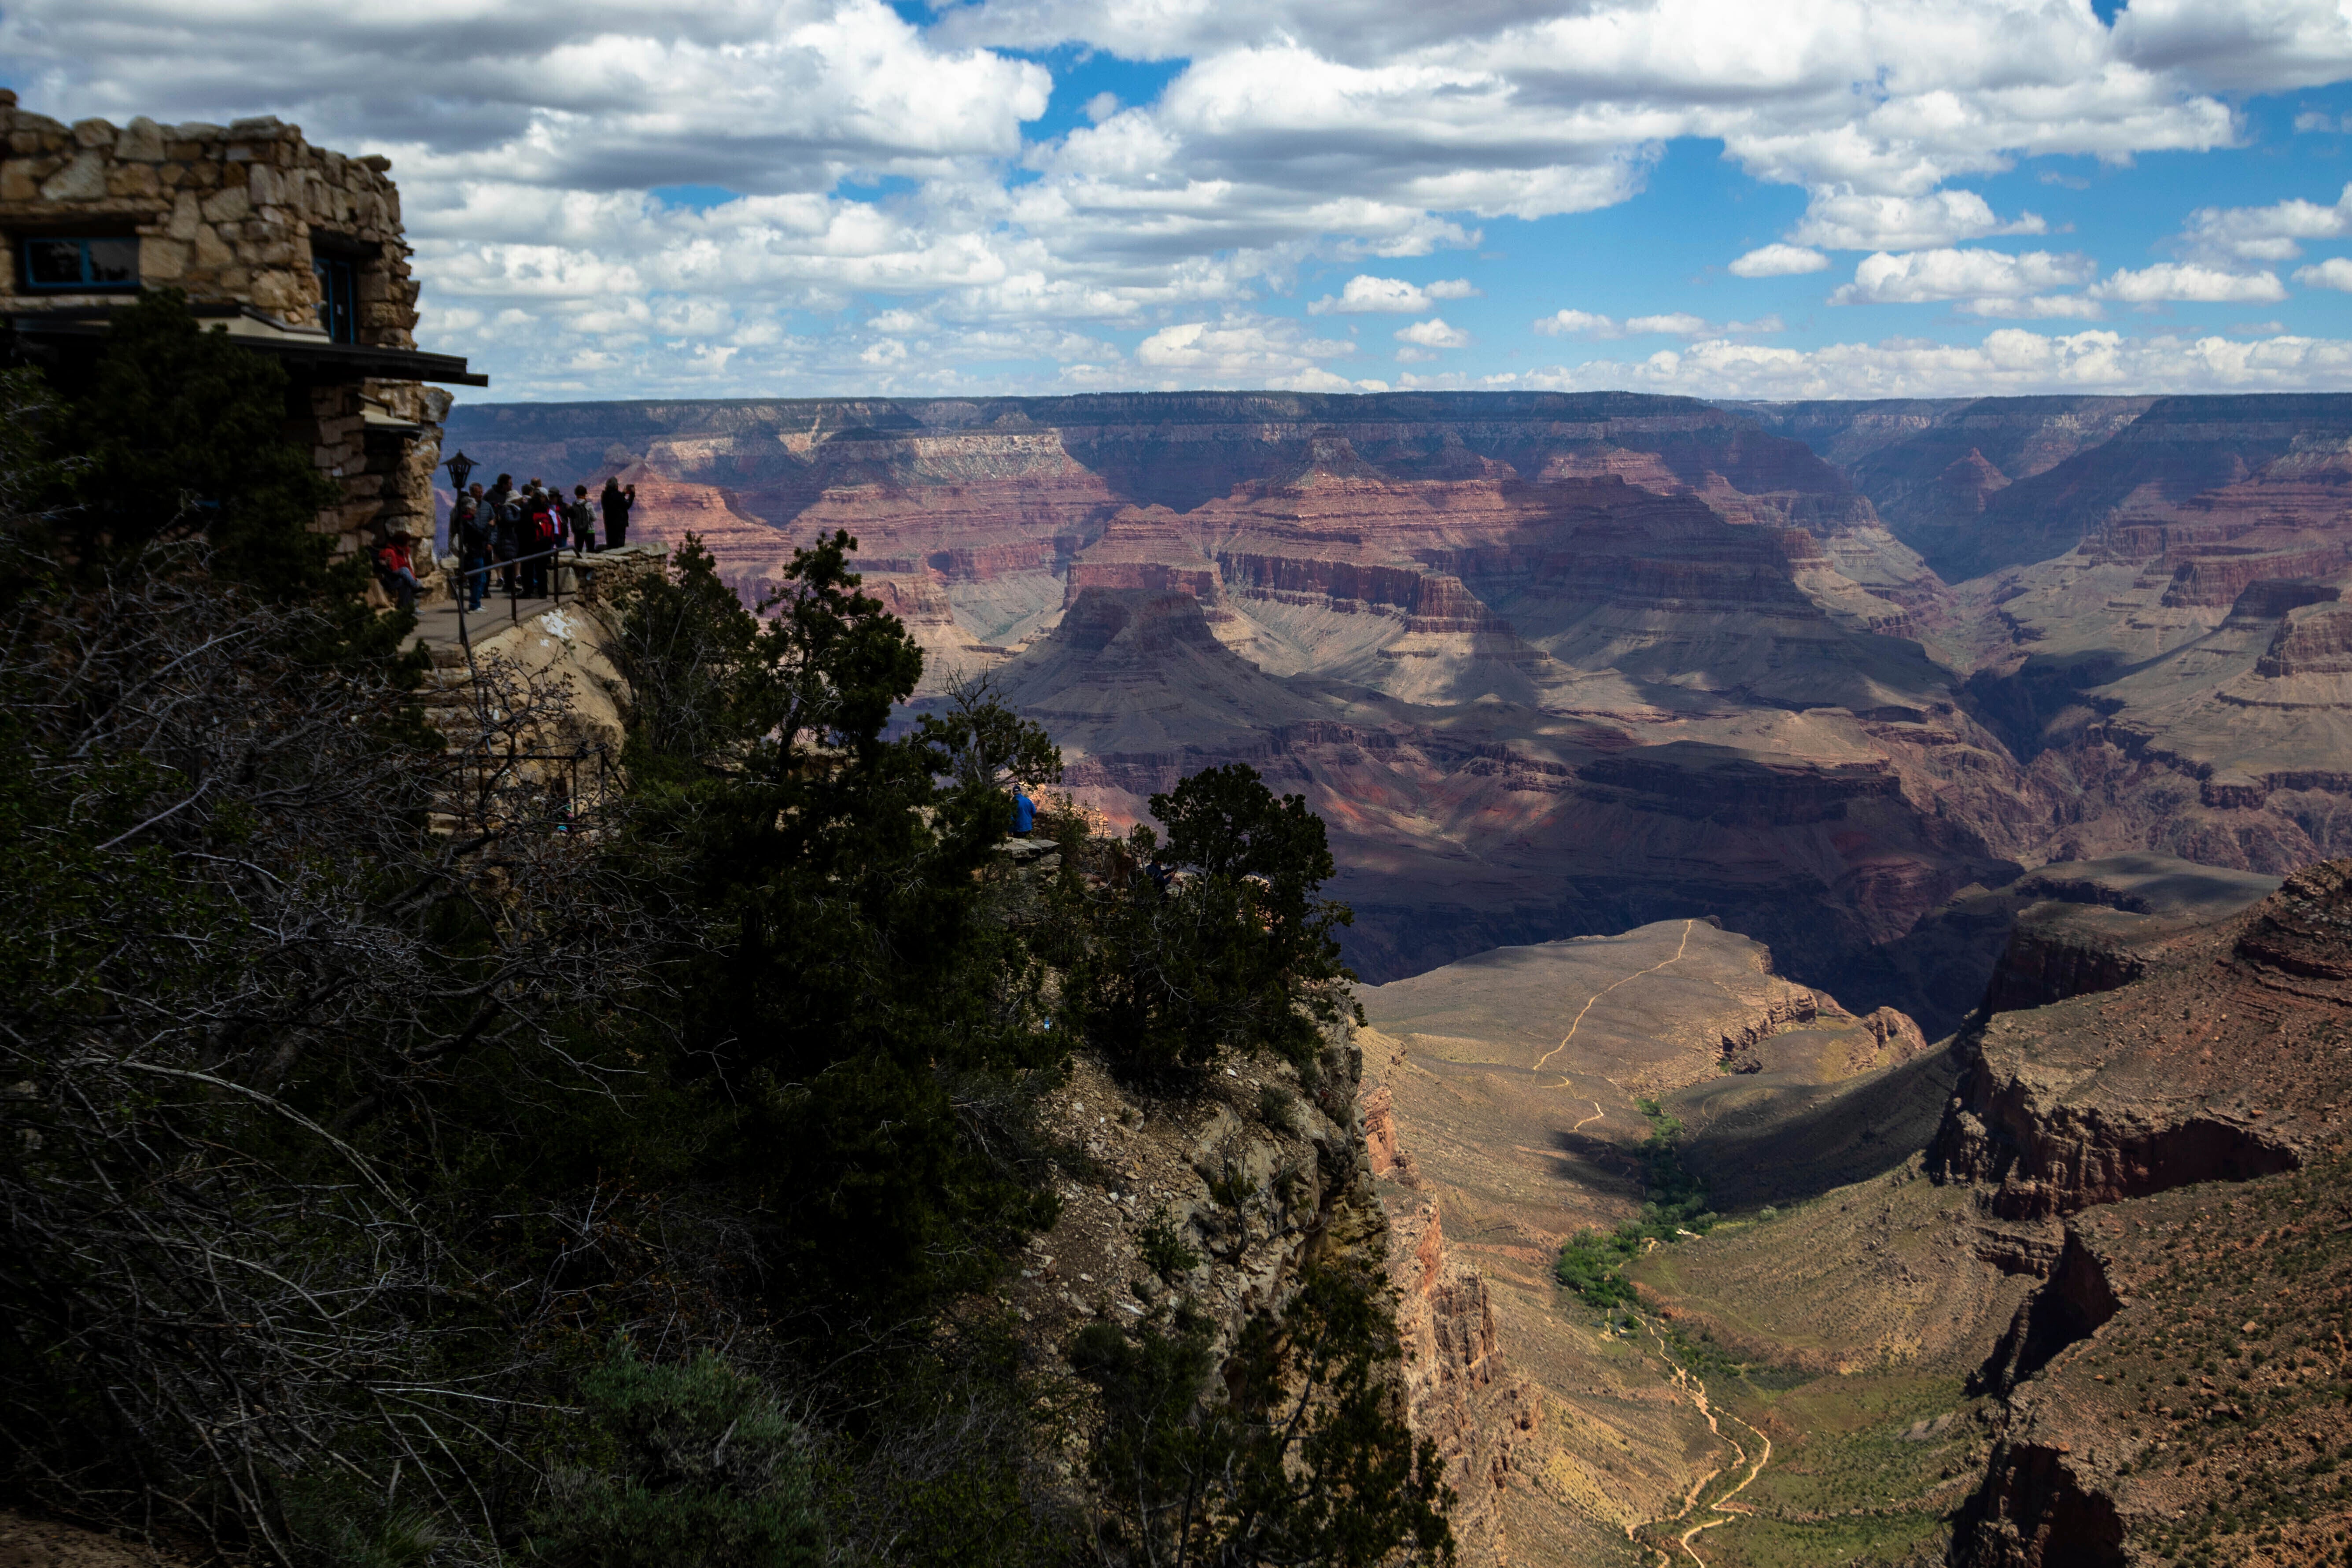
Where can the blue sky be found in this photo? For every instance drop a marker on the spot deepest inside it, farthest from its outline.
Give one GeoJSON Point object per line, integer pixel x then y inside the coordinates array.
{"type": "Point", "coordinates": [1726, 198]}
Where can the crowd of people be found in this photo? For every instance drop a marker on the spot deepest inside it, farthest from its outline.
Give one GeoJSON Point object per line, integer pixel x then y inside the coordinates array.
{"type": "Point", "coordinates": [518, 531]}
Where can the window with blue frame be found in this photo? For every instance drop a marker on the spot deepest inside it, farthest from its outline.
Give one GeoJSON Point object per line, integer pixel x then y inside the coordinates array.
{"type": "Point", "coordinates": [80, 265]}
{"type": "Point", "coordinates": [338, 297]}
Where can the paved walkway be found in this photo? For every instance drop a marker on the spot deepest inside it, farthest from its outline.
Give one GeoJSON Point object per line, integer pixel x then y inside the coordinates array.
{"type": "Point", "coordinates": [437, 623]}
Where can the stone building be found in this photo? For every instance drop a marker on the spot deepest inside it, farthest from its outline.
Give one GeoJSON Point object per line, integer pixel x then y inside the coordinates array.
{"type": "Point", "coordinates": [294, 249]}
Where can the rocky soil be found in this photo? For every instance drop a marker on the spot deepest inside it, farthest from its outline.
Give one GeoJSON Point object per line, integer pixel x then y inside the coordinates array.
{"type": "Point", "coordinates": [29, 1542]}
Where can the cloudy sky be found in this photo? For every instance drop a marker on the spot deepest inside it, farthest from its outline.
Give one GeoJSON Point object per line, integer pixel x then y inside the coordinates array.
{"type": "Point", "coordinates": [1768, 198]}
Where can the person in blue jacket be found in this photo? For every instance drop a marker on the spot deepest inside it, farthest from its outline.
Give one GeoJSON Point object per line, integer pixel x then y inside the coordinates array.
{"type": "Point", "coordinates": [1024, 813]}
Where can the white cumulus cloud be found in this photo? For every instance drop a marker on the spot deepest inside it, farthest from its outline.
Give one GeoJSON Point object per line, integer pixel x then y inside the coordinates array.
{"type": "Point", "coordinates": [2011, 361]}
{"type": "Point", "coordinates": [1983, 278]}
{"type": "Point", "coordinates": [2270, 233]}
{"type": "Point", "coordinates": [1245, 350]}
{"type": "Point", "coordinates": [1364, 294]}
{"type": "Point", "coordinates": [1674, 324]}
{"type": "Point", "coordinates": [2336, 272]}
{"type": "Point", "coordinates": [1861, 220]}
{"type": "Point", "coordinates": [1779, 261]}
{"type": "Point", "coordinates": [1434, 333]}
{"type": "Point", "coordinates": [2171, 280]}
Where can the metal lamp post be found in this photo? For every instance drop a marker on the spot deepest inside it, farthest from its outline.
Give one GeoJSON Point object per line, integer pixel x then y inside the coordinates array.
{"type": "Point", "coordinates": [460, 467]}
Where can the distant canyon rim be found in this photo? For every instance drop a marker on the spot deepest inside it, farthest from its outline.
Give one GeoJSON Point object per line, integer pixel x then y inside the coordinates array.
{"type": "Point", "coordinates": [1832, 673]}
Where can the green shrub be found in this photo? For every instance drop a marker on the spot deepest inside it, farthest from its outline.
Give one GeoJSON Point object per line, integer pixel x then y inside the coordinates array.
{"type": "Point", "coordinates": [1294, 1451]}
{"type": "Point", "coordinates": [1165, 1251]}
{"type": "Point", "coordinates": [1237, 957]}
{"type": "Point", "coordinates": [691, 1466]}
{"type": "Point", "coordinates": [1592, 1262]}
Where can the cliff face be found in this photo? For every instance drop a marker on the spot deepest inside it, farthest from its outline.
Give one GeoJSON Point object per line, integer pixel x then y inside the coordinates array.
{"type": "Point", "coordinates": [2171, 681]}
{"type": "Point", "coordinates": [1303, 1183]}
{"type": "Point", "coordinates": [1937, 472]}
{"type": "Point", "coordinates": [2173, 1382]}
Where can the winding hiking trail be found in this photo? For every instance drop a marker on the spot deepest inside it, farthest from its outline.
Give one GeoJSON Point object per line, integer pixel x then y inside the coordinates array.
{"type": "Point", "coordinates": [1578, 1022]}
{"type": "Point", "coordinates": [1723, 1507]}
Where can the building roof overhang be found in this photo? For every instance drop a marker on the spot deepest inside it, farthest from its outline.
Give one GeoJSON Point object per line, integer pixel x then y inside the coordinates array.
{"type": "Point", "coordinates": [307, 352]}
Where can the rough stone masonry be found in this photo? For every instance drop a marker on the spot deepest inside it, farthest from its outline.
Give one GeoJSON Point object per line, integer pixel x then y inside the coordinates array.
{"type": "Point", "coordinates": [258, 226]}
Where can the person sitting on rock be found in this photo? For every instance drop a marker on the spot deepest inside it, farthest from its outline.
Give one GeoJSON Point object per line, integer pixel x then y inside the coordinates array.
{"type": "Point", "coordinates": [1024, 813]}
{"type": "Point", "coordinates": [396, 570]}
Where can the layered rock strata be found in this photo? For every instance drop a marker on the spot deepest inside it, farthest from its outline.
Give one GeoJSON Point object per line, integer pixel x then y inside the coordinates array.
{"type": "Point", "coordinates": [2165, 1388]}
{"type": "Point", "coordinates": [1551, 665]}
{"type": "Point", "coordinates": [1545, 664]}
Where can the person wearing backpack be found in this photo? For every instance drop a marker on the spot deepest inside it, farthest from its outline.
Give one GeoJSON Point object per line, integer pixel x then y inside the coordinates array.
{"type": "Point", "coordinates": [582, 514]}
{"type": "Point", "coordinates": [540, 536]}
{"type": "Point", "coordinates": [506, 531]}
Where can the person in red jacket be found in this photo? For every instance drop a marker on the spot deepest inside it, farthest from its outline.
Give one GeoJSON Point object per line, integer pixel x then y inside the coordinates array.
{"type": "Point", "coordinates": [546, 534]}
{"type": "Point", "coordinates": [396, 569]}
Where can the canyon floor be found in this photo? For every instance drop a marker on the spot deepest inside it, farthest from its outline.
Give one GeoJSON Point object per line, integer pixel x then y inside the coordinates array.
{"type": "Point", "coordinates": [1508, 1109]}
{"type": "Point", "coordinates": [1886, 1350]}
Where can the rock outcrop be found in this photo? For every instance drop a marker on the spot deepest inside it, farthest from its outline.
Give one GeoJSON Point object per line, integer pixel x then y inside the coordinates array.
{"type": "Point", "coordinates": [2193, 1122]}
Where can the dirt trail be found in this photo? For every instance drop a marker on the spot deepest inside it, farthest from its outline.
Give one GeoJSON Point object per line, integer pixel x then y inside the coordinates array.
{"type": "Point", "coordinates": [1576, 1023]}
{"type": "Point", "coordinates": [1689, 1384]}
{"type": "Point", "coordinates": [1723, 1507]}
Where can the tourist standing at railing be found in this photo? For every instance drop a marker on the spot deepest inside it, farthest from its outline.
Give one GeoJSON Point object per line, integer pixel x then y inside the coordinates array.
{"type": "Point", "coordinates": [582, 515]}
{"type": "Point", "coordinates": [469, 536]}
{"type": "Point", "coordinates": [505, 526]}
{"type": "Point", "coordinates": [540, 536]}
{"type": "Point", "coordinates": [617, 502]}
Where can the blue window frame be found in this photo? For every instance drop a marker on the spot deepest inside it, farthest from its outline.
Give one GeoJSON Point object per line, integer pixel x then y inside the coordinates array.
{"type": "Point", "coordinates": [338, 297]}
{"type": "Point", "coordinates": [79, 265]}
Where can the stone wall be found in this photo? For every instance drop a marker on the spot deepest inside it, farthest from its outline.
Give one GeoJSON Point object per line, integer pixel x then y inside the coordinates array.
{"type": "Point", "coordinates": [226, 213]}
{"type": "Point", "coordinates": [233, 214]}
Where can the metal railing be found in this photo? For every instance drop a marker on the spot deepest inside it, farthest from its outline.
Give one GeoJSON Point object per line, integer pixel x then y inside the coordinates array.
{"type": "Point", "coordinates": [513, 586]}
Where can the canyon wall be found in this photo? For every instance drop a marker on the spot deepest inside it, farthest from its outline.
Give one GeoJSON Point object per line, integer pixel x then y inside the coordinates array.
{"type": "Point", "coordinates": [1552, 664]}
{"type": "Point", "coordinates": [1547, 664]}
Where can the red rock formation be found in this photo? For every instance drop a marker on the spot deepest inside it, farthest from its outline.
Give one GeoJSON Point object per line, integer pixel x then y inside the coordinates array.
{"type": "Point", "coordinates": [1460, 1391]}
{"type": "Point", "coordinates": [2192, 1123]}
{"type": "Point", "coordinates": [2189, 1071]}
